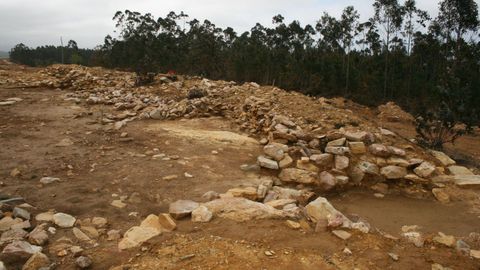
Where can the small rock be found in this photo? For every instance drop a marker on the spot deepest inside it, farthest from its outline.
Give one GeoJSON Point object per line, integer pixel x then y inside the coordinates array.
{"type": "Point", "coordinates": [63, 220]}
{"type": "Point", "coordinates": [99, 222]}
{"type": "Point", "coordinates": [250, 167]}
{"type": "Point", "coordinates": [275, 150]}
{"type": "Point", "coordinates": [65, 142]}
{"type": "Point", "coordinates": [297, 175]}
{"type": "Point", "coordinates": [19, 251]}
{"type": "Point", "coordinates": [118, 204]}
{"type": "Point", "coordinates": [393, 172]}
{"type": "Point", "coordinates": [347, 251]}
{"type": "Point", "coordinates": [341, 162]}
{"type": "Point", "coordinates": [441, 195]}
{"type": "Point", "coordinates": [182, 208]}
{"type": "Point", "coordinates": [167, 222]}
{"type": "Point", "coordinates": [327, 180]}
{"type": "Point", "coordinates": [322, 159]}
{"type": "Point", "coordinates": [201, 214]}
{"type": "Point", "coordinates": [21, 213]}
{"type": "Point", "coordinates": [414, 237]}
{"type": "Point", "coordinates": [113, 235]}
{"type": "Point", "coordinates": [81, 235]}
{"type": "Point", "coordinates": [280, 203]}
{"type": "Point", "coordinates": [247, 192]}
{"type": "Point", "coordinates": [321, 209]}
{"type": "Point", "coordinates": [83, 262]}
{"type": "Point", "coordinates": [36, 261]}
{"type": "Point", "coordinates": [447, 240]}
{"type": "Point", "coordinates": [475, 254]}
{"type": "Point", "coordinates": [337, 150]}
{"type": "Point", "coordinates": [210, 195]}
{"type": "Point", "coordinates": [285, 162]}
{"type": "Point", "coordinates": [459, 170]}
{"type": "Point", "coordinates": [12, 235]}
{"type": "Point", "coordinates": [267, 163]}
{"type": "Point", "coordinates": [442, 158]}
{"type": "Point", "coordinates": [393, 256]}
{"type": "Point", "coordinates": [293, 224]}
{"type": "Point", "coordinates": [45, 217]}
{"type": "Point", "coordinates": [269, 253]}
{"type": "Point", "coordinates": [342, 234]}
{"type": "Point", "coordinates": [39, 235]}
{"type": "Point", "coordinates": [425, 169]}
{"type": "Point", "coordinates": [7, 222]}
{"type": "Point", "coordinates": [357, 147]}
{"type": "Point", "coordinates": [137, 235]}
{"type": "Point", "coordinates": [379, 150]}
{"type": "Point", "coordinates": [49, 180]}
{"type": "Point", "coordinates": [15, 172]}
{"type": "Point", "coordinates": [170, 177]}
{"type": "Point", "coordinates": [338, 142]}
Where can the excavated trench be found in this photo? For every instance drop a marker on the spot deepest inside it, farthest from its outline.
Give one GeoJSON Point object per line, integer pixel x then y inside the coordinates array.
{"type": "Point", "coordinates": [390, 213]}
{"type": "Point", "coordinates": [387, 214]}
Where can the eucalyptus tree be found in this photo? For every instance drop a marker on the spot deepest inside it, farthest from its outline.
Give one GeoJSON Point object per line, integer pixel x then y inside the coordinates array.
{"type": "Point", "coordinates": [388, 15]}
{"type": "Point", "coordinates": [349, 30]}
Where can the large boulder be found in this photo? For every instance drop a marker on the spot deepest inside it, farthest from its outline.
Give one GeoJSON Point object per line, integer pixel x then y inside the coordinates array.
{"type": "Point", "coordinates": [241, 209]}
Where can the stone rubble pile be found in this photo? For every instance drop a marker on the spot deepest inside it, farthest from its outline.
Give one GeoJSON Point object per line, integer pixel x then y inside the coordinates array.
{"type": "Point", "coordinates": [25, 239]}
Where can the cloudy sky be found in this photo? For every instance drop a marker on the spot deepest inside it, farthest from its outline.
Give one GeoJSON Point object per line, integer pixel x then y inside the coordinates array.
{"type": "Point", "coordinates": [40, 22]}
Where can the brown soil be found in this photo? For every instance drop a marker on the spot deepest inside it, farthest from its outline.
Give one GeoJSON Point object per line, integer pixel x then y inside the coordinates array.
{"type": "Point", "coordinates": [101, 164]}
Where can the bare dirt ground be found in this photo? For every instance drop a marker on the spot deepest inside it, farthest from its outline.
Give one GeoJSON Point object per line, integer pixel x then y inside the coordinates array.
{"type": "Point", "coordinates": [100, 166]}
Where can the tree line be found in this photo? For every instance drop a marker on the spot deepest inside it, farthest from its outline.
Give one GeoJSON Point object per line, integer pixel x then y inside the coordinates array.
{"type": "Point", "coordinates": [399, 54]}
{"type": "Point", "coordinates": [47, 55]}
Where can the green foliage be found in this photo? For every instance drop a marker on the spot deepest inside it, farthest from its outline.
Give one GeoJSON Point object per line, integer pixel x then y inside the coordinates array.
{"type": "Point", "coordinates": [47, 55]}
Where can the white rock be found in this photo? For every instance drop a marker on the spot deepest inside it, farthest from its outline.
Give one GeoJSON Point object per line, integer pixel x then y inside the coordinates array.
{"type": "Point", "coordinates": [201, 214]}
{"type": "Point", "coordinates": [49, 180]}
{"type": "Point", "coordinates": [63, 220]}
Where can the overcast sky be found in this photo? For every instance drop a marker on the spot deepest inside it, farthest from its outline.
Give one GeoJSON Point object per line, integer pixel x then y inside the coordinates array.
{"type": "Point", "coordinates": [41, 22]}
